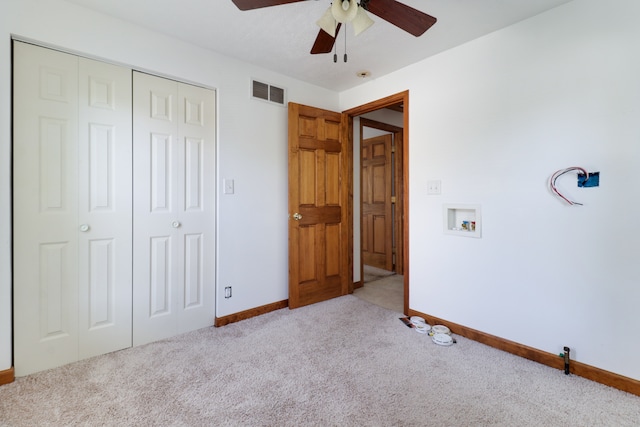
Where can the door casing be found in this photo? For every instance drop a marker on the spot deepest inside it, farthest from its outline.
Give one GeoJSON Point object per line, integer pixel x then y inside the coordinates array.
{"type": "Point", "coordinates": [389, 101]}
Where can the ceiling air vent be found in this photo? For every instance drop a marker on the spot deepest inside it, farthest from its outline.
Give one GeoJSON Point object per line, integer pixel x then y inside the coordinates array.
{"type": "Point", "coordinates": [267, 92]}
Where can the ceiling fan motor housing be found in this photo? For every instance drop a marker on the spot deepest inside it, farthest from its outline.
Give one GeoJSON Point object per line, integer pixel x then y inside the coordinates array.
{"type": "Point", "coordinates": [342, 14]}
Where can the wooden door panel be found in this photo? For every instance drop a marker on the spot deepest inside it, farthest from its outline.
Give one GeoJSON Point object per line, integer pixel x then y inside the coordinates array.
{"type": "Point", "coordinates": [324, 215]}
{"type": "Point", "coordinates": [379, 150]}
{"type": "Point", "coordinates": [307, 271]}
{"type": "Point", "coordinates": [379, 188]}
{"type": "Point", "coordinates": [307, 176]}
{"type": "Point", "coordinates": [379, 234]}
{"type": "Point", "coordinates": [332, 189]}
{"type": "Point", "coordinates": [333, 257]}
{"type": "Point", "coordinates": [366, 184]}
{"type": "Point", "coordinates": [377, 224]}
{"type": "Point", "coordinates": [332, 131]}
{"type": "Point", "coordinates": [317, 292]}
{"type": "Point", "coordinates": [366, 233]}
{"type": "Point", "coordinates": [306, 128]}
{"type": "Point", "coordinates": [318, 193]}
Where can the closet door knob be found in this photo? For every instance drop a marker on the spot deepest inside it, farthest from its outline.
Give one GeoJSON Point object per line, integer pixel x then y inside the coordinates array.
{"type": "Point", "coordinates": [175, 224]}
{"type": "Point", "coordinates": [84, 228]}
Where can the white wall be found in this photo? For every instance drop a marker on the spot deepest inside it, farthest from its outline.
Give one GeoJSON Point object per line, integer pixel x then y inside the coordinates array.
{"type": "Point", "coordinates": [493, 119]}
{"type": "Point", "coordinates": [252, 143]}
{"type": "Point", "coordinates": [385, 115]}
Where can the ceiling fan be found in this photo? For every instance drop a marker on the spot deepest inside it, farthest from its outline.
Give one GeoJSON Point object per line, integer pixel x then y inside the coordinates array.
{"type": "Point", "coordinates": [402, 16]}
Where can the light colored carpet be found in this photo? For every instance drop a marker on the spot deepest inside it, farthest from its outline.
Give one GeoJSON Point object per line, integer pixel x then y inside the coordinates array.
{"type": "Point", "coordinates": [344, 362]}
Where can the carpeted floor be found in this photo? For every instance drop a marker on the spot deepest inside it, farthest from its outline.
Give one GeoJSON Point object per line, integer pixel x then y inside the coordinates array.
{"type": "Point", "coordinates": [343, 362]}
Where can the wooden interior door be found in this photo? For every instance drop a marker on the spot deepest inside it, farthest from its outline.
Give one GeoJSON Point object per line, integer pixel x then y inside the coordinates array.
{"type": "Point", "coordinates": [320, 168]}
{"type": "Point", "coordinates": [377, 203]}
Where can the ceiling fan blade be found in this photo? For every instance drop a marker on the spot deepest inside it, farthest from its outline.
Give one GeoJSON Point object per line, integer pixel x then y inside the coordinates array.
{"type": "Point", "coordinates": [324, 42]}
{"type": "Point", "coordinates": [402, 16]}
{"type": "Point", "coordinates": [257, 4]}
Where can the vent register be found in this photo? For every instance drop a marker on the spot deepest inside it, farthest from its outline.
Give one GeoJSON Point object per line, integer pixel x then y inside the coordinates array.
{"type": "Point", "coordinates": [267, 92]}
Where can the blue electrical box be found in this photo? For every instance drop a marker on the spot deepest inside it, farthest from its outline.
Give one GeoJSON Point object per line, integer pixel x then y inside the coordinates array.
{"type": "Point", "coordinates": [592, 181]}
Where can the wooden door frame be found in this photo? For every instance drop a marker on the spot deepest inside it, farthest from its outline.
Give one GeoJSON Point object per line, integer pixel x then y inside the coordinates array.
{"type": "Point", "coordinates": [392, 100]}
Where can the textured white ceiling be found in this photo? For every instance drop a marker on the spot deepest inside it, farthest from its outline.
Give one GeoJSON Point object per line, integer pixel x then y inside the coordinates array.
{"type": "Point", "coordinates": [280, 37]}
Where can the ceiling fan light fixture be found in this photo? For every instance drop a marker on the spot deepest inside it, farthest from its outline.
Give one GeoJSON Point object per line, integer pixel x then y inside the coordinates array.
{"type": "Point", "coordinates": [342, 14]}
{"type": "Point", "coordinates": [328, 23]}
{"type": "Point", "coordinates": [361, 22]}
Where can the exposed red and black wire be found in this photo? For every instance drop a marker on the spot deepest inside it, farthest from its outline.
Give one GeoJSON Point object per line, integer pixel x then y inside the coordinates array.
{"type": "Point", "coordinates": [557, 174]}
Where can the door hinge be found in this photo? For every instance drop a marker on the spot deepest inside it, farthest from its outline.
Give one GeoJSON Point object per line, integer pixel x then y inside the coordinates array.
{"type": "Point", "coordinates": [393, 199]}
{"type": "Point", "coordinates": [393, 148]}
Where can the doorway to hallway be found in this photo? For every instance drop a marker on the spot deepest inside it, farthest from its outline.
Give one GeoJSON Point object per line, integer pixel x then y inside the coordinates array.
{"type": "Point", "coordinates": [397, 103]}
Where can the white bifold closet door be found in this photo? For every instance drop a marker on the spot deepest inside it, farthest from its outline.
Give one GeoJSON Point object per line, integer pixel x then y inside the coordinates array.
{"type": "Point", "coordinates": [174, 217]}
{"type": "Point", "coordinates": [113, 209]}
{"type": "Point", "coordinates": [72, 203]}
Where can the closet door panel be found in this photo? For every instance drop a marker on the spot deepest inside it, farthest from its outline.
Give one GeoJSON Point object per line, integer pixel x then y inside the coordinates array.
{"type": "Point", "coordinates": [161, 185]}
{"type": "Point", "coordinates": [105, 208]}
{"type": "Point", "coordinates": [193, 276]}
{"type": "Point", "coordinates": [160, 278]}
{"type": "Point", "coordinates": [174, 217]}
{"type": "Point", "coordinates": [72, 208]}
{"type": "Point", "coordinates": [156, 271]}
{"type": "Point", "coordinates": [45, 205]}
{"type": "Point", "coordinates": [197, 212]}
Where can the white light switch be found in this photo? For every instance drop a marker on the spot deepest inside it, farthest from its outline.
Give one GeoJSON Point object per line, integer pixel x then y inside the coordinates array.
{"type": "Point", "coordinates": [433, 187]}
{"type": "Point", "coordinates": [228, 186]}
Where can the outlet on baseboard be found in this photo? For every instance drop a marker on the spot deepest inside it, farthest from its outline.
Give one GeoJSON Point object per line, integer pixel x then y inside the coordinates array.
{"type": "Point", "coordinates": [227, 292]}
